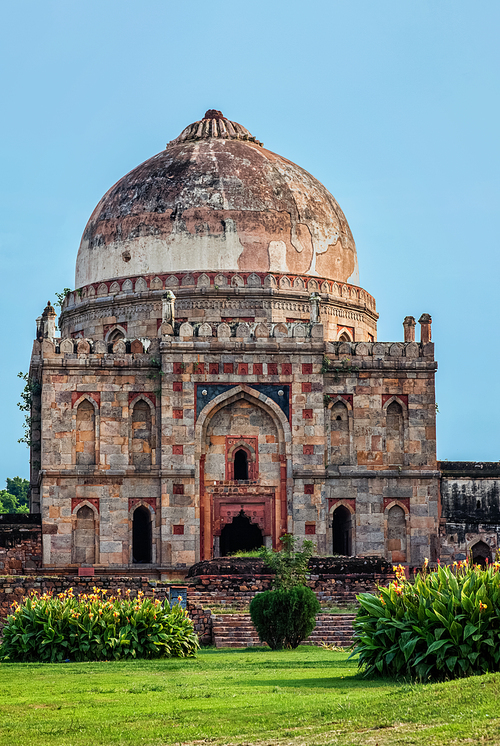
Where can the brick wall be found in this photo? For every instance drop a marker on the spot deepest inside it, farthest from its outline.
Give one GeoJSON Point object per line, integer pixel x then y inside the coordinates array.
{"type": "Point", "coordinates": [20, 543]}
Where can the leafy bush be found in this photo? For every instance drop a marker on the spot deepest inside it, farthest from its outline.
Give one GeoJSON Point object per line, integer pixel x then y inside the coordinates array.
{"type": "Point", "coordinates": [92, 627]}
{"type": "Point", "coordinates": [285, 616]}
{"type": "Point", "coordinates": [443, 625]}
{"type": "Point", "coordinates": [290, 565]}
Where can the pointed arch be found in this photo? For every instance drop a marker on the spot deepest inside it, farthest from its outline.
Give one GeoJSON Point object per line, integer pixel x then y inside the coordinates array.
{"type": "Point", "coordinates": [397, 531]}
{"type": "Point", "coordinates": [342, 528]}
{"type": "Point", "coordinates": [209, 454]}
{"type": "Point", "coordinates": [396, 416]}
{"type": "Point", "coordinates": [142, 443]}
{"type": "Point", "coordinates": [86, 423]}
{"type": "Point", "coordinates": [234, 465]}
{"type": "Point", "coordinates": [85, 534]}
{"type": "Point", "coordinates": [339, 428]}
{"type": "Point", "coordinates": [480, 552]}
{"type": "Point", "coordinates": [255, 397]}
{"type": "Point", "coordinates": [142, 534]}
{"type": "Point", "coordinates": [115, 333]}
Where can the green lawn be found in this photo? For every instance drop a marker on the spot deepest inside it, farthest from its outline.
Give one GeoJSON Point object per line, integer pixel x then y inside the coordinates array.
{"type": "Point", "coordinates": [307, 696]}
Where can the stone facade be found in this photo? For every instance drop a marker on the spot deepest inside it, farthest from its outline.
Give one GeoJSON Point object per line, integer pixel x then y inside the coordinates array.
{"type": "Point", "coordinates": [328, 429]}
{"type": "Point", "coordinates": [218, 381]}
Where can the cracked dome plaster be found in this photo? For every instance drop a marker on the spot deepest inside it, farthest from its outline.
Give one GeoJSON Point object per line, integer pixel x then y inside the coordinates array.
{"type": "Point", "coordinates": [216, 199]}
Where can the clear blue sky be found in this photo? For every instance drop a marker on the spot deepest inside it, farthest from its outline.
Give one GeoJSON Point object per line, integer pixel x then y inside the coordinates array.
{"type": "Point", "coordinates": [393, 105]}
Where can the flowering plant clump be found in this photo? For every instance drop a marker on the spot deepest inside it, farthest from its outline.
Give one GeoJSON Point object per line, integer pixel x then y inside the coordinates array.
{"type": "Point", "coordinates": [444, 624]}
{"type": "Point", "coordinates": [93, 627]}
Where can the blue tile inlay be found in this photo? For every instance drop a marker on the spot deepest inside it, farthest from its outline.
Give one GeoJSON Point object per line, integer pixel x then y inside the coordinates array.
{"type": "Point", "coordinates": [271, 390]}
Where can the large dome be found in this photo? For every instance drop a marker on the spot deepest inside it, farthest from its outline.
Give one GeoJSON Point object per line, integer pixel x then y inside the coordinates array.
{"type": "Point", "coordinates": [215, 199]}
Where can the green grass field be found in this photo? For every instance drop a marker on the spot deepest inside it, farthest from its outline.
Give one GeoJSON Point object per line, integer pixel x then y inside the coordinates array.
{"type": "Point", "coordinates": [306, 696]}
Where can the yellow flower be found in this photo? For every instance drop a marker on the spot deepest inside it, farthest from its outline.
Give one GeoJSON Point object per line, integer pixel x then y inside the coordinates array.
{"type": "Point", "coordinates": [482, 606]}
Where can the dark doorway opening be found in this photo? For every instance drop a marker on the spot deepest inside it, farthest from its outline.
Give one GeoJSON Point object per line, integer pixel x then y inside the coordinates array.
{"type": "Point", "coordinates": [240, 536]}
{"type": "Point", "coordinates": [342, 531]}
{"type": "Point", "coordinates": [241, 464]}
{"type": "Point", "coordinates": [481, 554]}
{"type": "Point", "coordinates": [141, 536]}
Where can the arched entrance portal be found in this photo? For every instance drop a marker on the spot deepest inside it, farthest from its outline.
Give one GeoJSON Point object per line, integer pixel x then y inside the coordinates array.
{"type": "Point", "coordinates": [342, 531]}
{"type": "Point", "coordinates": [240, 536]}
{"type": "Point", "coordinates": [141, 536]}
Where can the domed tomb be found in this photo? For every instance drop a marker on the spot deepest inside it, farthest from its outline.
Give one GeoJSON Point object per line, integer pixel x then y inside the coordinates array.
{"type": "Point", "coordinates": [216, 199]}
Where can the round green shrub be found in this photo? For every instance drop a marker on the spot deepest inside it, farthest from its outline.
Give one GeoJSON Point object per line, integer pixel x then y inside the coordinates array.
{"type": "Point", "coordinates": [92, 627]}
{"type": "Point", "coordinates": [284, 617]}
{"type": "Point", "coordinates": [445, 624]}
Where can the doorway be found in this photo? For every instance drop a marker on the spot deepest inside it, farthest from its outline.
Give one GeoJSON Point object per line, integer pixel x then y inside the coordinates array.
{"type": "Point", "coordinates": [342, 531]}
{"type": "Point", "coordinates": [141, 536]}
{"type": "Point", "coordinates": [240, 536]}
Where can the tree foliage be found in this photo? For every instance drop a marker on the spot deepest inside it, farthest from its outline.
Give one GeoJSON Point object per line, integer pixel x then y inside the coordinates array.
{"type": "Point", "coordinates": [31, 389]}
{"type": "Point", "coordinates": [445, 624]}
{"type": "Point", "coordinates": [15, 498]}
{"type": "Point", "coordinates": [20, 488]}
{"type": "Point", "coordinates": [290, 564]}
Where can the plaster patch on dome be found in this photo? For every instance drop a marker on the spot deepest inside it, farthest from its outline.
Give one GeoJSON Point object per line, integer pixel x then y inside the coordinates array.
{"type": "Point", "coordinates": [212, 202]}
{"type": "Point", "coordinates": [277, 256]}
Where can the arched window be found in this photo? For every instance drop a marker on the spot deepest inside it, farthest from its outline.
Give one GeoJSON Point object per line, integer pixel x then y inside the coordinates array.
{"type": "Point", "coordinates": [339, 433]}
{"type": "Point", "coordinates": [84, 537]}
{"type": "Point", "coordinates": [241, 464]}
{"type": "Point", "coordinates": [342, 531]}
{"type": "Point", "coordinates": [396, 534]}
{"type": "Point", "coordinates": [394, 433]}
{"type": "Point", "coordinates": [85, 434]}
{"type": "Point", "coordinates": [141, 536]}
{"type": "Point", "coordinates": [344, 337]}
{"type": "Point", "coordinates": [141, 456]}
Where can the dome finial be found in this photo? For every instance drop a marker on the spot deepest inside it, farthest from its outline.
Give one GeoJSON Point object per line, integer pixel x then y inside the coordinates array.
{"type": "Point", "coordinates": [214, 114]}
{"type": "Point", "coordinates": [214, 125]}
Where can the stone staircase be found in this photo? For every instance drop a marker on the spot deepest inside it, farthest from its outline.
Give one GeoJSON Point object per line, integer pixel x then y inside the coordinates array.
{"type": "Point", "coordinates": [237, 631]}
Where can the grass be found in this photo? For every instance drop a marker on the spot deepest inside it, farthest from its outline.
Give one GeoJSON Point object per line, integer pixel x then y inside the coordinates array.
{"type": "Point", "coordinates": [308, 696]}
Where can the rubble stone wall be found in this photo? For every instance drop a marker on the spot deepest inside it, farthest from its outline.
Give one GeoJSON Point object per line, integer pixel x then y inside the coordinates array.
{"type": "Point", "coordinates": [20, 543]}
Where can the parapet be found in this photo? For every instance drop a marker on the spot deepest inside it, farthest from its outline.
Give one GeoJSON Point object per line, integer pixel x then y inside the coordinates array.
{"type": "Point", "coordinates": [380, 350]}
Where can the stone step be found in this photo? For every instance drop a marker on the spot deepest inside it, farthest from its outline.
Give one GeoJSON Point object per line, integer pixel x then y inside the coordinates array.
{"type": "Point", "coordinates": [237, 630]}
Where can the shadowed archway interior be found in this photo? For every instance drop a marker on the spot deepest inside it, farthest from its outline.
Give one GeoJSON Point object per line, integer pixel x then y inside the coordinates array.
{"type": "Point", "coordinates": [240, 536]}
{"type": "Point", "coordinates": [481, 553]}
{"type": "Point", "coordinates": [342, 531]}
{"type": "Point", "coordinates": [141, 536]}
{"type": "Point", "coordinates": [241, 465]}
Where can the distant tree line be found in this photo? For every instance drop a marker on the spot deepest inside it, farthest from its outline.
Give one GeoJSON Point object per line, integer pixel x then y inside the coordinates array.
{"type": "Point", "coordinates": [15, 498]}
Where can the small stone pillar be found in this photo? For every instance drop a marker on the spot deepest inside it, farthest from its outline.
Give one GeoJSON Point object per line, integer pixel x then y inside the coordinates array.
{"type": "Point", "coordinates": [314, 301]}
{"type": "Point", "coordinates": [48, 321]}
{"type": "Point", "coordinates": [39, 328]}
{"type": "Point", "coordinates": [425, 322]}
{"type": "Point", "coordinates": [409, 325]}
{"type": "Point", "coordinates": [168, 308]}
